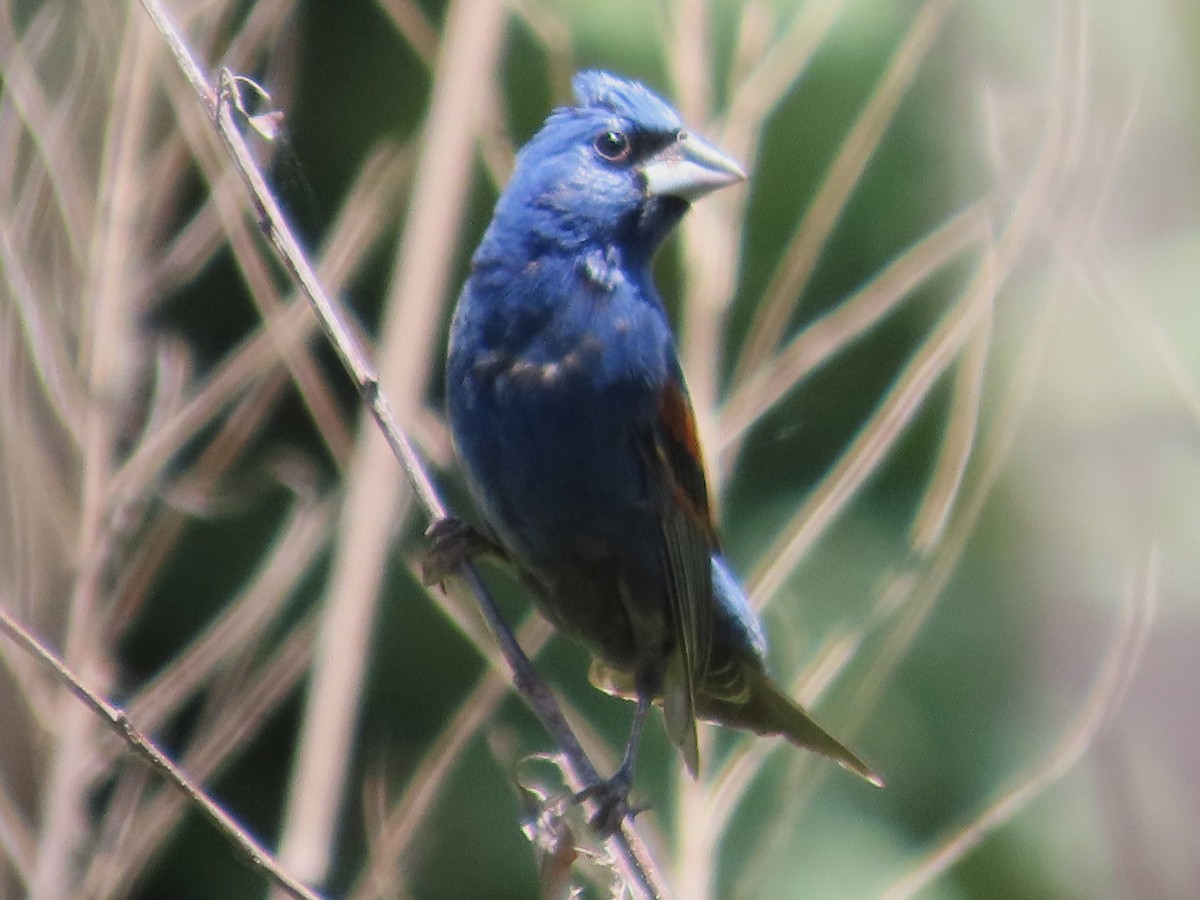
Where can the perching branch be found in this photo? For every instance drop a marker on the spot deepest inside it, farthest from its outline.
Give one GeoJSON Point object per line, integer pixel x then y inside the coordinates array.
{"type": "Point", "coordinates": [223, 105]}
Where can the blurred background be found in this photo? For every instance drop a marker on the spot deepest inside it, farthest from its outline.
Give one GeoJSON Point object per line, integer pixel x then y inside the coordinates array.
{"type": "Point", "coordinates": [945, 351]}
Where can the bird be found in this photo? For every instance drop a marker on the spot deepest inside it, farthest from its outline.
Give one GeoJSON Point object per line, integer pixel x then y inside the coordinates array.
{"type": "Point", "coordinates": [572, 422]}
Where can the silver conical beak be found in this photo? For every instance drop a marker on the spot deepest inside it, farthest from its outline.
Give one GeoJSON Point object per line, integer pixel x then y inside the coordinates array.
{"type": "Point", "coordinates": [689, 168]}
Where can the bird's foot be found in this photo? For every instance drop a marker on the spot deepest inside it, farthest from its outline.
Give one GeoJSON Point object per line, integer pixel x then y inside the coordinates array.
{"type": "Point", "coordinates": [611, 798]}
{"type": "Point", "coordinates": [453, 543]}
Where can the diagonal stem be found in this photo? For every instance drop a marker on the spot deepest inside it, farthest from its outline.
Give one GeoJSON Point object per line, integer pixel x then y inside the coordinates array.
{"type": "Point", "coordinates": [254, 852]}
{"type": "Point", "coordinates": [221, 105]}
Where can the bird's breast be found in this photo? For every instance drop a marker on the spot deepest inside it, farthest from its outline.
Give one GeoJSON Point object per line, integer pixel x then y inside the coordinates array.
{"type": "Point", "coordinates": [539, 369]}
{"type": "Point", "coordinates": [589, 340]}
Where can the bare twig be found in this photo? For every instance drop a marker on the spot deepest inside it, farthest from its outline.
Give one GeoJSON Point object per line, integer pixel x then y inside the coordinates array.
{"type": "Point", "coordinates": [771, 317]}
{"type": "Point", "coordinates": [848, 321]}
{"type": "Point", "coordinates": [376, 496]}
{"type": "Point", "coordinates": [394, 835]}
{"type": "Point", "coordinates": [1116, 672]}
{"type": "Point", "coordinates": [254, 852]}
{"type": "Point", "coordinates": [529, 683]}
{"type": "Point", "coordinates": [238, 716]}
{"type": "Point", "coordinates": [929, 524]}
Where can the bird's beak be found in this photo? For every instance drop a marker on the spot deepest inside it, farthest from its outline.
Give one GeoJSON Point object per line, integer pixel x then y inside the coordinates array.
{"type": "Point", "coordinates": [689, 168]}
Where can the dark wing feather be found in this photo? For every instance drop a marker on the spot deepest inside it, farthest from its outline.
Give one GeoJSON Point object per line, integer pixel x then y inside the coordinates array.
{"type": "Point", "coordinates": [675, 476]}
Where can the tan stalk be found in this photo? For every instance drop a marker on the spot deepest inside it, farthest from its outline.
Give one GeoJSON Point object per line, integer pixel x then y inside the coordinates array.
{"type": "Point", "coordinates": [1111, 683]}
{"type": "Point", "coordinates": [376, 497]}
{"type": "Point", "coordinates": [800, 258]}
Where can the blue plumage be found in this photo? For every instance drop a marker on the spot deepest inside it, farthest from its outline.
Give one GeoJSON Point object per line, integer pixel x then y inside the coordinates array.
{"type": "Point", "coordinates": [572, 421]}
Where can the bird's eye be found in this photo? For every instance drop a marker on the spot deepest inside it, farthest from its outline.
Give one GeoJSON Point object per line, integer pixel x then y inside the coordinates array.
{"type": "Point", "coordinates": [613, 146]}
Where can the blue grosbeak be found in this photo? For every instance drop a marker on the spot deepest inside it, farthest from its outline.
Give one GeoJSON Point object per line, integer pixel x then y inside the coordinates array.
{"type": "Point", "coordinates": [576, 434]}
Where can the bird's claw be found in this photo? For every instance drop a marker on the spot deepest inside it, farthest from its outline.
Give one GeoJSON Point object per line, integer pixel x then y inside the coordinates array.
{"type": "Point", "coordinates": [612, 802]}
{"type": "Point", "coordinates": [453, 543]}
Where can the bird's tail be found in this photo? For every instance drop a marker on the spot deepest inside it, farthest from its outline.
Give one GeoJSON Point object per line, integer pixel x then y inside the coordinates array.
{"type": "Point", "coordinates": [749, 699]}
{"type": "Point", "coordinates": [764, 708]}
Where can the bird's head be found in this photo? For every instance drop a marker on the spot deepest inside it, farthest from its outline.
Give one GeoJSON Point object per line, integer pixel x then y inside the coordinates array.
{"type": "Point", "coordinates": [617, 168]}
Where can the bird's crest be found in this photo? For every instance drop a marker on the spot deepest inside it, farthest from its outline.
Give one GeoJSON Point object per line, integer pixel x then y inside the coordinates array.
{"type": "Point", "coordinates": [631, 99]}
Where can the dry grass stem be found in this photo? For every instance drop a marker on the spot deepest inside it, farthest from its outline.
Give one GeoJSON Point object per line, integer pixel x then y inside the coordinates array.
{"type": "Point", "coordinates": [120, 723]}
{"type": "Point", "coordinates": [411, 22]}
{"type": "Point", "coordinates": [394, 835]}
{"type": "Point", "coordinates": [849, 320]}
{"type": "Point", "coordinates": [1131, 317]}
{"type": "Point", "coordinates": [913, 596]}
{"type": "Point", "coordinates": [375, 498]}
{"type": "Point", "coordinates": [777, 69]}
{"type": "Point", "coordinates": [189, 494]}
{"type": "Point", "coordinates": [928, 363]}
{"type": "Point", "coordinates": [868, 450]}
{"type": "Point", "coordinates": [804, 249]}
{"type": "Point", "coordinates": [929, 524]}
{"type": "Point", "coordinates": [1116, 672]}
{"type": "Point", "coordinates": [127, 193]}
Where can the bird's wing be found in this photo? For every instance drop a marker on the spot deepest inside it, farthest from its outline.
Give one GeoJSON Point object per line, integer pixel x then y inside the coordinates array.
{"type": "Point", "coordinates": [675, 475]}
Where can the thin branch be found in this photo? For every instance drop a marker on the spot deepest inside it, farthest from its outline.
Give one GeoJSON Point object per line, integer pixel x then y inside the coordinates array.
{"type": "Point", "coordinates": [849, 320]}
{"type": "Point", "coordinates": [239, 715]}
{"type": "Point", "coordinates": [341, 335]}
{"type": "Point", "coordinates": [929, 524]}
{"type": "Point", "coordinates": [529, 683]}
{"type": "Point", "coordinates": [394, 835]}
{"type": "Point", "coordinates": [376, 496]}
{"type": "Point", "coordinates": [866, 452]}
{"type": "Point", "coordinates": [309, 379]}
{"type": "Point", "coordinates": [254, 852]}
{"type": "Point", "coordinates": [352, 236]}
{"type": "Point", "coordinates": [800, 259]}
{"type": "Point", "coordinates": [1120, 664]}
